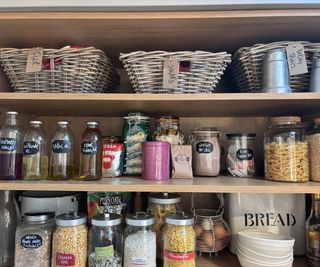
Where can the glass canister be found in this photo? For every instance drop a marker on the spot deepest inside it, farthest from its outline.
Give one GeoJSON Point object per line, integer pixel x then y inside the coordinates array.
{"type": "Point", "coordinates": [69, 245]}
{"type": "Point", "coordinates": [314, 149]}
{"type": "Point", "coordinates": [240, 158]}
{"type": "Point", "coordinates": [62, 152]}
{"type": "Point", "coordinates": [205, 152]}
{"type": "Point", "coordinates": [10, 148]}
{"type": "Point", "coordinates": [135, 132]}
{"type": "Point", "coordinates": [33, 240]}
{"type": "Point", "coordinates": [35, 155]}
{"type": "Point", "coordinates": [179, 241]}
{"type": "Point", "coordinates": [286, 152]}
{"type": "Point", "coordinates": [91, 153]}
{"type": "Point", "coordinates": [105, 241]}
{"type": "Point", "coordinates": [139, 241]}
{"type": "Point", "coordinates": [167, 130]}
{"type": "Point", "coordinates": [161, 204]}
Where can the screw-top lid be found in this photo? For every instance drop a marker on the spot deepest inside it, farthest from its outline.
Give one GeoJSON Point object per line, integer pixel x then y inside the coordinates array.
{"type": "Point", "coordinates": [35, 123]}
{"type": "Point", "coordinates": [285, 120]}
{"type": "Point", "coordinates": [38, 216]}
{"type": "Point", "coordinates": [316, 196]}
{"type": "Point", "coordinates": [106, 219]}
{"type": "Point", "coordinates": [180, 218]}
{"type": "Point", "coordinates": [239, 135]}
{"type": "Point", "coordinates": [61, 123]}
{"type": "Point", "coordinates": [140, 219]}
{"type": "Point", "coordinates": [205, 130]}
{"type": "Point", "coordinates": [92, 123]}
{"type": "Point", "coordinates": [71, 219]}
{"type": "Point", "coordinates": [164, 198]}
{"type": "Point", "coordinates": [136, 116]}
{"type": "Point", "coordinates": [11, 113]}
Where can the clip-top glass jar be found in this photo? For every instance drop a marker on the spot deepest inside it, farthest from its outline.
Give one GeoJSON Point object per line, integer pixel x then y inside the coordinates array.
{"type": "Point", "coordinates": [286, 152]}
{"type": "Point", "coordinates": [161, 204]}
{"type": "Point", "coordinates": [179, 240]}
{"type": "Point", "coordinates": [205, 152]}
{"type": "Point", "coordinates": [105, 241]}
{"type": "Point", "coordinates": [167, 130]}
{"type": "Point", "coordinates": [70, 240]}
{"type": "Point", "coordinates": [33, 240]}
{"type": "Point", "coordinates": [139, 241]}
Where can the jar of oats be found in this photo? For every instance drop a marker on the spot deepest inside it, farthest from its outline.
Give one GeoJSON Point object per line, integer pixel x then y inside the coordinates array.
{"type": "Point", "coordinates": [179, 241]}
{"type": "Point", "coordinates": [314, 146]}
{"type": "Point", "coordinates": [70, 240]}
{"type": "Point", "coordinates": [33, 240]}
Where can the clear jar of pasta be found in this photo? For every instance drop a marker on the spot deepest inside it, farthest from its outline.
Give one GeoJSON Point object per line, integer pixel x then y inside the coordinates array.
{"type": "Point", "coordinates": [286, 152]}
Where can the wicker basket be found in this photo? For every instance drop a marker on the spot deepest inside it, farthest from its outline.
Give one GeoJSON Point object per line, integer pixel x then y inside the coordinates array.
{"type": "Point", "coordinates": [246, 67]}
{"type": "Point", "coordinates": [65, 70]}
{"type": "Point", "coordinates": [145, 70]}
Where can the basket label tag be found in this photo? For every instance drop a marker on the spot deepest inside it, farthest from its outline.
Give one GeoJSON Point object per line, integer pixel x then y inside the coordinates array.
{"type": "Point", "coordinates": [34, 61]}
{"type": "Point", "coordinates": [296, 59]}
{"type": "Point", "coordinates": [170, 73]}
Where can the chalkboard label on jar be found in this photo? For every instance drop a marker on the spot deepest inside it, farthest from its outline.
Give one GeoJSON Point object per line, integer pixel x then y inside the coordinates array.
{"type": "Point", "coordinates": [204, 147]}
{"type": "Point", "coordinates": [30, 148]}
{"type": "Point", "coordinates": [8, 144]}
{"type": "Point", "coordinates": [61, 146]}
{"type": "Point", "coordinates": [89, 148]}
{"type": "Point", "coordinates": [31, 241]}
{"type": "Point", "coordinates": [244, 154]}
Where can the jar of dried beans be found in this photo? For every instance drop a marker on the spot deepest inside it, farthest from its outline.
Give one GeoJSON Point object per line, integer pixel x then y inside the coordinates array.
{"type": "Point", "coordinates": [70, 240]}
{"type": "Point", "coordinates": [286, 152]}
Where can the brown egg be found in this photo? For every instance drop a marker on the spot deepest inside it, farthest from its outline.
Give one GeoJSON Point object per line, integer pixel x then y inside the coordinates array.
{"type": "Point", "coordinates": [198, 230]}
{"type": "Point", "coordinates": [201, 245]}
{"type": "Point", "coordinates": [219, 231]}
{"type": "Point", "coordinates": [207, 237]}
{"type": "Point", "coordinates": [220, 243]}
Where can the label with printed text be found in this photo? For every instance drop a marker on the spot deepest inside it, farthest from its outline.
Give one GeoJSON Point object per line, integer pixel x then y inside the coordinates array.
{"type": "Point", "coordinates": [65, 259]}
{"type": "Point", "coordinates": [183, 256]}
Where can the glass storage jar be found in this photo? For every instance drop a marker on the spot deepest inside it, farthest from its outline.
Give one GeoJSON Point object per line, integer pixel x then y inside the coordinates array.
{"type": "Point", "coordinates": [105, 241]}
{"type": "Point", "coordinates": [161, 204]}
{"type": "Point", "coordinates": [286, 152]}
{"type": "Point", "coordinates": [139, 241]}
{"type": "Point", "coordinates": [240, 158]}
{"type": "Point", "coordinates": [314, 149]}
{"type": "Point", "coordinates": [33, 240]}
{"type": "Point", "coordinates": [69, 245]}
{"type": "Point", "coordinates": [167, 130]}
{"type": "Point", "coordinates": [179, 241]}
{"type": "Point", "coordinates": [205, 152]}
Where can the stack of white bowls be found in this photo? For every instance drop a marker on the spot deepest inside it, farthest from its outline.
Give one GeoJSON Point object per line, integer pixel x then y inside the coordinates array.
{"type": "Point", "coordinates": [264, 249]}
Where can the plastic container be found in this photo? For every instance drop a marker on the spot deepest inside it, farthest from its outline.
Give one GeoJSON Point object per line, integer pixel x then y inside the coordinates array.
{"type": "Point", "coordinates": [286, 151]}
{"type": "Point", "coordinates": [156, 161]}
{"type": "Point", "coordinates": [167, 130]}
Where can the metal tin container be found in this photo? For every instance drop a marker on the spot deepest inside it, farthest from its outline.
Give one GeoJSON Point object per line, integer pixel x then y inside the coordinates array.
{"type": "Point", "coordinates": [315, 75]}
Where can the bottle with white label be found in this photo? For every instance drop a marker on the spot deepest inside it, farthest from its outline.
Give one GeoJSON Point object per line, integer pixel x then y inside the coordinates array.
{"type": "Point", "coordinates": [62, 153]}
{"type": "Point", "coordinates": [10, 148]}
{"type": "Point", "coordinates": [35, 155]}
{"type": "Point", "coordinates": [91, 153]}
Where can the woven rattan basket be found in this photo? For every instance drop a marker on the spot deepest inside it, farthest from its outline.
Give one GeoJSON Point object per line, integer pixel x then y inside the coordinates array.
{"type": "Point", "coordinates": [246, 66]}
{"type": "Point", "coordinates": [145, 70]}
{"type": "Point", "coordinates": [65, 70]}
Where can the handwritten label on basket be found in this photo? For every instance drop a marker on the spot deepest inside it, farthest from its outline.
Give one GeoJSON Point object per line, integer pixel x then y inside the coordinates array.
{"type": "Point", "coordinates": [34, 61]}
{"type": "Point", "coordinates": [296, 59]}
{"type": "Point", "coordinates": [170, 73]}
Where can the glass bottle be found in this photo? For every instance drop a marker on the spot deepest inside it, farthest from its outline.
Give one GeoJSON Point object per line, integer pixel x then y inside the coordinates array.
{"type": "Point", "coordinates": [313, 233]}
{"type": "Point", "coordinates": [8, 224]}
{"type": "Point", "coordinates": [91, 153]}
{"type": "Point", "coordinates": [35, 155]}
{"type": "Point", "coordinates": [62, 153]}
{"type": "Point", "coordinates": [10, 148]}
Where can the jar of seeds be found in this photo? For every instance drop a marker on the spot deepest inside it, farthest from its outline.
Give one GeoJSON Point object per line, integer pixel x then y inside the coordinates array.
{"type": "Point", "coordinates": [33, 240]}
{"type": "Point", "coordinates": [70, 240]}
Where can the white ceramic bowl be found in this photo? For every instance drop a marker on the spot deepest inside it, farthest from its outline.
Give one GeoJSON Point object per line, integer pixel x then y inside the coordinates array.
{"type": "Point", "coordinates": [249, 263]}
{"type": "Point", "coordinates": [265, 243]}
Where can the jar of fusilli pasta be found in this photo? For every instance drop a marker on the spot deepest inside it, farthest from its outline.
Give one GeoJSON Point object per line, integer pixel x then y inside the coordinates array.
{"type": "Point", "coordinates": [286, 152]}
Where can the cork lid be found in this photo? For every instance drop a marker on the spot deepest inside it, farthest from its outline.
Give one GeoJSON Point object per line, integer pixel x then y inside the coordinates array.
{"type": "Point", "coordinates": [285, 120]}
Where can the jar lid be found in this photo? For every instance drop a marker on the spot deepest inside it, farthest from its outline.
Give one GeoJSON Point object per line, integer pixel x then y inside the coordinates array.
{"type": "Point", "coordinates": [11, 113]}
{"type": "Point", "coordinates": [92, 123]}
{"type": "Point", "coordinates": [136, 116]}
{"type": "Point", "coordinates": [316, 196]}
{"type": "Point", "coordinates": [140, 219]}
{"type": "Point", "coordinates": [168, 119]}
{"type": "Point", "coordinates": [239, 135]}
{"type": "Point", "coordinates": [316, 120]}
{"type": "Point", "coordinates": [164, 198]}
{"type": "Point", "coordinates": [38, 216]}
{"type": "Point", "coordinates": [106, 219]}
{"type": "Point", "coordinates": [36, 122]}
{"type": "Point", "coordinates": [285, 120]}
{"type": "Point", "coordinates": [205, 130]}
{"type": "Point", "coordinates": [111, 139]}
{"type": "Point", "coordinates": [71, 219]}
{"type": "Point", "coordinates": [63, 123]}
{"type": "Point", "coordinates": [180, 218]}
{"type": "Point", "coordinates": [156, 144]}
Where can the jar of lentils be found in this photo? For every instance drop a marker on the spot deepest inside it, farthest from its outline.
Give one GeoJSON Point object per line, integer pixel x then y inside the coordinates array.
{"type": "Point", "coordinates": [33, 240]}
{"type": "Point", "coordinates": [105, 241]}
{"type": "Point", "coordinates": [179, 241]}
{"type": "Point", "coordinates": [70, 240]}
{"type": "Point", "coordinates": [139, 241]}
{"type": "Point", "coordinates": [286, 152]}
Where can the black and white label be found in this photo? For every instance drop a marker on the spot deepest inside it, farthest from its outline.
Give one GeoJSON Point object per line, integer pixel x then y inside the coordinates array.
{"type": "Point", "coordinates": [61, 146]}
{"type": "Point", "coordinates": [244, 154]}
{"type": "Point", "coordinates": [30, 148]}
{"type": "Point", "coordinates": [89, 147]}
{"type": "Point", "coordinates": [31, 241]}
{"type": "Point", "coordinates": [8, 144]}
{"type": "Point", "coordinates": [204, 147]}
